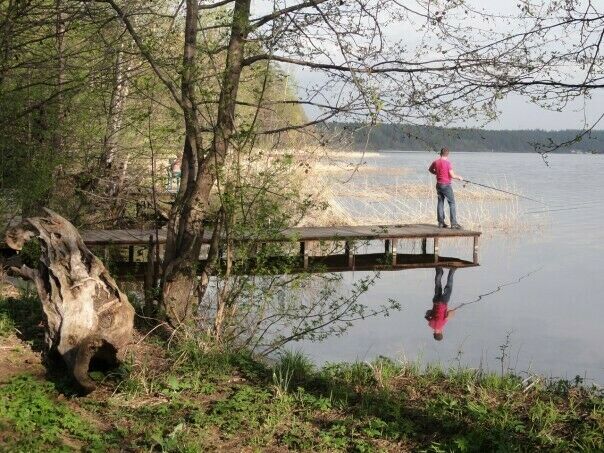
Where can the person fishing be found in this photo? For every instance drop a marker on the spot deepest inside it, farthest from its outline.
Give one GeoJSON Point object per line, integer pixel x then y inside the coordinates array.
{"type": "Point", "coordinates": [438, 316]}
{"type": "Point", "coordinates": [443, 170]}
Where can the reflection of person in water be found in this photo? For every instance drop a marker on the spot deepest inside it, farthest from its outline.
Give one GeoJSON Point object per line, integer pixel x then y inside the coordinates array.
{"type": "Point", "coordinates": [440, 313]}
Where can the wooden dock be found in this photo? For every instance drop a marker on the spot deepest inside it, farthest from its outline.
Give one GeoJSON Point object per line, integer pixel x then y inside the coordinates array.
{"type": "Point", "coordinates": [346, 257]}
{"type": "Point", "coordinates": [301, 234]}
{"type": "Point", "coordinates": [307, 237]}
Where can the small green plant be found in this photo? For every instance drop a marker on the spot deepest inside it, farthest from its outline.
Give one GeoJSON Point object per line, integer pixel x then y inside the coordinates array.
{"type": "Point", "coordinates": [32, 420]}
{"type": "Point", "coordinates": [247, 407]}
{"type": "Point", "coordinates": [292, 370]}
{"type": "Point", "coordinates": [384, 370]}
{"type": "Point", "coordinates": [7, 325]}
{"type": "Point", "coordinates": [504, 357]}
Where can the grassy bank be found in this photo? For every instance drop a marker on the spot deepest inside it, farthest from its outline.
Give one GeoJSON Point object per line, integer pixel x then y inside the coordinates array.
{"type": "Point", "coordinates": [189, 398]}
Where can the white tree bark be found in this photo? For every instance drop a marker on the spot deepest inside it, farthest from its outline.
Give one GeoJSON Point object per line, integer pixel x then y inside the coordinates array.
{"type": "Point", "coordinates": [116, 108]}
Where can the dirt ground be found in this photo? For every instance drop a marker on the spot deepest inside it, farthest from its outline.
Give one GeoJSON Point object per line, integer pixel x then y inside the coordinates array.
{"type": "Point", "coordinates": [17, 357]}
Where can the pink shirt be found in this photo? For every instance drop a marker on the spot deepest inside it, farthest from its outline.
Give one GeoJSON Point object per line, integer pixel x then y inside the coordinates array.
{"type": "Point", "coordinates": [439, 316]}
{"type": "Point", "coordinates": [442, 167]}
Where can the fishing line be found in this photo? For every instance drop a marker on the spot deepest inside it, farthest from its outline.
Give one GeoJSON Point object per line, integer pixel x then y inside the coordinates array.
{"type": "Point", "coordinates": [569, 207]}
{"type": "Point", "coordinates": [555, 210]}
{"type": "Point", "coordinates": [505, 191]}
{"type": "Point", "coordinates": [499, 288]}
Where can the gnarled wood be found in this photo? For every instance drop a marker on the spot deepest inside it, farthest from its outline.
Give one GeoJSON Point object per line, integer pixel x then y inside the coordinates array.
{"type": "Point", "coordinates": [87, 315]}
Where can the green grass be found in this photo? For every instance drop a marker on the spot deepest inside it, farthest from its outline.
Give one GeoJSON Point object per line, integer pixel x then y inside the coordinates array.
{"type": "Point", "coordinates": [20, 315]}
{"type": "Point", "coordinates": [292, 370]}
{"type": "Point", "coordinates": [31, 419]}
{"type": "Point", "coordinates": [191, 398]}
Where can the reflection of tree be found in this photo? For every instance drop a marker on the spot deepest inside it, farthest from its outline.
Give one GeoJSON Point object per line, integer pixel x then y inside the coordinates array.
{"type": "Point", "coordinates": [281, 309]}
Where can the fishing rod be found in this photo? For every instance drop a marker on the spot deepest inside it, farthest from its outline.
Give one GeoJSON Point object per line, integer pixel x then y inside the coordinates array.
{"type": "Point", "coordinates": [504, 191]}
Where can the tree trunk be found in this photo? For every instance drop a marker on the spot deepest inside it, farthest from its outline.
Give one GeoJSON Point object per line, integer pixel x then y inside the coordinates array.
{"type": "Point", "coordinates": [116, 108]}
{"type": "Point", "coordinates": [180, 289]}
{"type": "Point", "coordinates": [87, 316]}
{"type": "Point", "coordinates": [58, 137]}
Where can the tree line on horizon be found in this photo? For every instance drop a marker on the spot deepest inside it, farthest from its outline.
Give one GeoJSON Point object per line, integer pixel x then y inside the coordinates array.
{"type": "Point", "coordinates": [426, 138]}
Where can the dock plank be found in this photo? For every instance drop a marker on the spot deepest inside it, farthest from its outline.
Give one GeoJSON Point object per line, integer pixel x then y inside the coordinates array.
{"type": "Point", "coordinates": [344, 233]}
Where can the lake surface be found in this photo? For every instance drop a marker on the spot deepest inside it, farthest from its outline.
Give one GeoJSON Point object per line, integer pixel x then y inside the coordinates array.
{"type": "Point", "coordinates": [551, 309]}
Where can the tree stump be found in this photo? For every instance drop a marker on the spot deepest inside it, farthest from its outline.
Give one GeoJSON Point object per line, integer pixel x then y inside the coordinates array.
{"type": "Point", "coordinates": [87, 316]}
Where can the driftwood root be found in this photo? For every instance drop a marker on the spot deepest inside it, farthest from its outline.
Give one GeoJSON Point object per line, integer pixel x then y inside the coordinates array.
{"type": "Point", "coordinates": [88, 318]}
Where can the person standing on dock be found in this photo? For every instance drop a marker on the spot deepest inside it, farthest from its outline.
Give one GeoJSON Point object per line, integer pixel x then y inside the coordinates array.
{"type": "Point", "coordinates": [440, 313]}
{"type": "Point", "coordinates": [443, 170]}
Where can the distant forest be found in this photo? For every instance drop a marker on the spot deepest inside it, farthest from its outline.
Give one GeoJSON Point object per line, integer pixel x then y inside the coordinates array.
{"type": "Point", "coordinates": [411, 138]}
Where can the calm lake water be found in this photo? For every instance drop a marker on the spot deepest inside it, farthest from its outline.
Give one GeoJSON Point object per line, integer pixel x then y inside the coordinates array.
{"type": "Point", "coordinates": [553, 316]}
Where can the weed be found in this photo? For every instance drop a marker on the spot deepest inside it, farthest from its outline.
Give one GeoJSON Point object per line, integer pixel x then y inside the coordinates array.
{"type": "Point", "coordinates": [300, 436]}
{"type": "Point", "coordinates": [384, 370]}
{"type": "Point", "coordinates": [204, 399]}
{"type": "Point", "coordinates": [293, 369]}
{"type": "Point", "coordinates": [504, 357]}
{"type": "Point", "coordinates": [247, 407]}
{"type": "Point", "coordinates": [31, 420]}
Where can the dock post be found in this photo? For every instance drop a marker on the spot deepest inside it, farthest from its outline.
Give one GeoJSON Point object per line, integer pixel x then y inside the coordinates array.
{"type": "Point", "coordinates": [106, 254]}
{"type": "Point", "coordinates": [387, 245]}
{"type": "Point", "coordinates": [424, 245]}
{"type": "Point", "coordinates": [149, 283]}
{"type": "Point", "coordinates": [394, 244]}
{"type": "Point", "coordinates": [304, 253]}
{"type": "Point", "coordinates": [436, 250]}
{"type": "Point", "coordinates": [475, 249]}
{"type": "Point", "coordinates": [130, 253]}
{"type": "Point", "coordinates": [349, 254]}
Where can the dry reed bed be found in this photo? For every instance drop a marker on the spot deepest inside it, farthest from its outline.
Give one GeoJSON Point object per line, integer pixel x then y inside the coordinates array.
{"type": "Point", "coordinates": [359, 194]}
{"type": "Point", "coordinates": [348, 191]}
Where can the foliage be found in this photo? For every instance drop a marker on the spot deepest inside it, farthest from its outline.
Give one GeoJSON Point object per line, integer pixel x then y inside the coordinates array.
{"type": "Point", "coordinates": [215, 400]}
{"type": "Point", "coordinates": [22, 314]}
{"type": "Point", "coordinates": [31, 419]}
{"type": "Point", "coordinates": [292, 370]}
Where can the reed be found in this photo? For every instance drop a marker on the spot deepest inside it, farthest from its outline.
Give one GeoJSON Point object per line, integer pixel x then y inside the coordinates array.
{"type": "Point", "coordinates": [369, 195]}
{"type": "Point", "coordinates": [347, 191]}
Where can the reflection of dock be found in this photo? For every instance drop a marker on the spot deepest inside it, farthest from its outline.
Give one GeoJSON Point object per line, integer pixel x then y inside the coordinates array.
{"type": "Point", "coordinates": [307, 240]}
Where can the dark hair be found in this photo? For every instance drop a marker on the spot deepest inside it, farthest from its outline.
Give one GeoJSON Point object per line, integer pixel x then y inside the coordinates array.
{"type": "Point", "coordinates": [444, 152]}
{"type": "Point", "coordinates": [438, 336]}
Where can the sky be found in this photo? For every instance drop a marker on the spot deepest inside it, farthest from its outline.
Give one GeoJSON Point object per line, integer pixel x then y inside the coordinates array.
{"type": "Point", "coordinates": [516, 112]}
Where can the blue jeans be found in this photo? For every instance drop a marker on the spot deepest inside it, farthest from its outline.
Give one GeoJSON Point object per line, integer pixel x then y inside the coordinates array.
{"type": "Point", "coordinates": [445, 191]}
{"type": "Point", "coordinates": [439, 295]}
